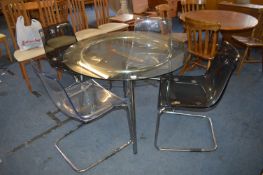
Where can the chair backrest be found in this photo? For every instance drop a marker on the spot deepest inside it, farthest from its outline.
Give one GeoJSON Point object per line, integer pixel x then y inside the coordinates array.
{"type": "Point", "coordinates": [192, 5]}
{"type": "Point", "coordinates": [258, 30]}
{"type": "Point", "coordinates": [77, 14]}
{"type": "Point", "coordinates": [56, 39]}
{"type": "Point", "coordinates": [219, 73]}
{"type": "Point", "coordinates": [157, 29]}
{"type": "Point", "coordinates": [84, 101]}
{"type": "Point", "coordinates": [55, 89]}
{"type": "Point", "coordinates": [50, 14]}
{"type": "Point", "coordinates": [12, 9]}
{"type": "Point", "coordinates": [153, 24]}
{"type": "Point", "coordinates": [163, 10]}
{"type": "Point", "coordinates": [202, 38]}
{"type": "Point", "coordinates": [102, 11]}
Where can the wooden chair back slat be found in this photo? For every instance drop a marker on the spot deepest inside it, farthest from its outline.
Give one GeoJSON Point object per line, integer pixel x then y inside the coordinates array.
{"type": "Point", "coordinates": [258, 30]}
{"type": "Point", "coordinates": [101, 8]}
{"type": "Point", "coordinates": [78, 15]}
{"type": "Point", "coordinates": [12, 9]}
{"type": "Point", "coordinates": [192, 5]}
{"type": "Point", "coordinates": [163, 10]}
{"type": "Point", "coordinates": [49, 12]}
{"type": "Point", "coordinates": [207, 36]}
{"type": "Point", "coordinates": [202, 38]}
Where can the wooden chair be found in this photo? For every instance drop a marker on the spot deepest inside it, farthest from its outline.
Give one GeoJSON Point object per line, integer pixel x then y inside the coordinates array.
{"type": "Point", "coordinates": [12, 9]}
{"type": "Point", "coordinates": [194, 93]}
{"type": "Point", "coordinates": [4, 41]}
{"type": "Point", "coordinates": [163, 10]}
{"type": "Point", "coordinates": [101, 8]}
{"type": "Point", "coordinates": [202, 42]}
{"type": "Point", "coordinates": [254, 41]}
{"type": "Point", "coordinates": [192, 5]}
{"type": "Point", "coordinates": [50, 13]}
{"type": "Point", "coordinates": [167, 10]}
{"type": "Point", "coordinates": [79, 20]}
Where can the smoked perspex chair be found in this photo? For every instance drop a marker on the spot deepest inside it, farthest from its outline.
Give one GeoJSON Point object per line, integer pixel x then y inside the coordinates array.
{"type": "Point", "coordinates": [56, 39]}
{"type": "Point", "coordinates": [195, 93]}
{"type": "Point", "coordinates": [84, 101]}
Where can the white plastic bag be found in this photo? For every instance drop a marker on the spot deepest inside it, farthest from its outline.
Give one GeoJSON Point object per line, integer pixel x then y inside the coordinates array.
{"type": "Point", "coordinates": [28, 37]}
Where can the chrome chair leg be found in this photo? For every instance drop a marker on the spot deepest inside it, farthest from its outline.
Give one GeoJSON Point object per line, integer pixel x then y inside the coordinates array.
{"type": "Point", "coordinates": [183, 149]}
{"type": "Point", "coordinates": [92, 165]}
{"type": "Point", "coordinates": [124, 86]}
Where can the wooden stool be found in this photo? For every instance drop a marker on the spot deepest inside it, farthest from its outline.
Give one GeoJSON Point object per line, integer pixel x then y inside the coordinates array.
{"type": "Point", "coordinates": [3, 40]}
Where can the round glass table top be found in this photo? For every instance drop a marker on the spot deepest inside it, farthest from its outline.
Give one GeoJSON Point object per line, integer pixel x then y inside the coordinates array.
{"type": "Point", "coordinates": [125, 55]}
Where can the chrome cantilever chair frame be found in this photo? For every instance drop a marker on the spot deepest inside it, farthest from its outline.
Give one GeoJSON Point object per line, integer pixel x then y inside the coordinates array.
{"type": "Point", "coordinates": [227, 65]}
{"type": "Point", "coordinates": [182, 149]}
{"type": "Point", "coordinates": [92, 165]}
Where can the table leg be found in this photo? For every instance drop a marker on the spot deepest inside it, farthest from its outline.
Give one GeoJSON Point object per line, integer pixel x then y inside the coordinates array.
{"type": "Point", "coordinates": [131, 106]}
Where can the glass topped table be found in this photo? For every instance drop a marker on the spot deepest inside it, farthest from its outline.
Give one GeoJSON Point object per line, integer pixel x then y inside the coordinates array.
{"type": "Point", "coordinates": [127, 56]}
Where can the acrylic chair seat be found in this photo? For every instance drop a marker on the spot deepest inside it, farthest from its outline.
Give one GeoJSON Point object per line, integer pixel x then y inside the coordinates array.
{"type": "Point", "coordinates": [196, 93]}
{"type": "Point", "coordinates": [185, 91]}
{"type": "Point", "coordinates": [97, 101]}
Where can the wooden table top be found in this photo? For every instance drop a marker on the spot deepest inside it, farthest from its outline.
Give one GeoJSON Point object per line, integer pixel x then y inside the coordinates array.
{"type": "Point", "coordinates": [252, 6]}
{"type": "Point", "coordinates": [229, 20]}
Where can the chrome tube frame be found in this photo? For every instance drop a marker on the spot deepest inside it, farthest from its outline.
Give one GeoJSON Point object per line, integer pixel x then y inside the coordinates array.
{"type": "Point", "coordinates": [92, 165]}
{"type": "Point", "coordinates": [131, 109]}
{"type": "Point", "coordinates": [184, 149]}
